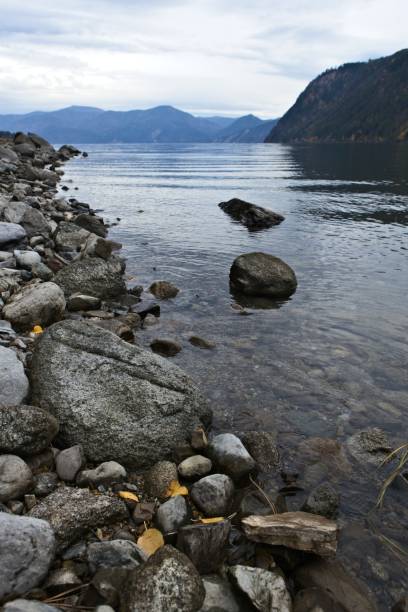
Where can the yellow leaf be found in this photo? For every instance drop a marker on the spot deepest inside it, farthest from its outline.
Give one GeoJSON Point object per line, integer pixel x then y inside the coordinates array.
{"type": "Point", "coordinates": [215, 519]}
{"type": "Point", "coordinates": [150, 541]}
{"type": "Point", "coordinates": [126, 495]}
{"type": "Point", "coordinates": [37, 329]}
{"type": "Point", "coordinates": [175, 488]}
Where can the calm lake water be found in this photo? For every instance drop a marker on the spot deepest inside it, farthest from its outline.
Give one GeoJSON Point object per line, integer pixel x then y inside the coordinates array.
{"type": "Point", "coordinates": [328, 362]}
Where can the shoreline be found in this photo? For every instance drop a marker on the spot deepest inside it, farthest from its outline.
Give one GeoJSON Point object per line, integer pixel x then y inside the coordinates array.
{"type": "Point", "coordinates": [97, 273]}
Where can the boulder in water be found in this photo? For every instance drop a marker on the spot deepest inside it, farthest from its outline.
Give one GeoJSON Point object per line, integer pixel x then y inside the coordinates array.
{"type": "Point", "coordinates": [252, 216]}
{"type": "Point", "coordinates": [263, 275]}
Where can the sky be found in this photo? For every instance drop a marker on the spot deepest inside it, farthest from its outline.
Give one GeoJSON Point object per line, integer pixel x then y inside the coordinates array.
{"type": "Point", "coordinates": [208, 57]}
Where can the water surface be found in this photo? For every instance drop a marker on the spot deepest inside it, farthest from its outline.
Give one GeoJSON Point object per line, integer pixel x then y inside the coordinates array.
{"type": "Point", "coordinates": [328, 362]}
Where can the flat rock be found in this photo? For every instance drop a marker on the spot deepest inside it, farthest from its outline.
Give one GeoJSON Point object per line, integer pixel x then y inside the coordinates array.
{"type": "Point", "coordinates": [213, 494]}
{"type": "Point", "coordinates": [230, 456]}
{"type": "Point", "coordinates": [10, 233]}
{"type": "Point", "coordinates": [106, 473]}
{"type": "Point", "coordinates": [252, 216]}
{"type": "Point", "coordinates": [93, 276]}
{"type": "Point", "coordinates": [15, 477]}
{"type": "Point", "coordinates": [114, 553]}
{"type": "Point", "coordinates": [27, 550]}
{"type": "Point", "coordinates": [126, 402]}
{"type": "Point", "coordinates": [298, 530]}
{"type": "Point", "coordinates": [40, 304]}
{"type": "Point", "coordinates": [71, 512]}
{"type": "Point", "coordinates": [266, 589]}
{"type": "Point", "coordinates": [14, 385]}
{"type": "Point", "coordinates": [263, 275]}
{"type": "Point", "coordinates": [205, 545]}
{"type": "Point", "coordinates": [167, 582]}
{"type": "Point", "coordinates": [332, 577]}
{"type": "Point", "coordinates": [26, 430]}
{"type": "Point", "coordinates": [195, 467]}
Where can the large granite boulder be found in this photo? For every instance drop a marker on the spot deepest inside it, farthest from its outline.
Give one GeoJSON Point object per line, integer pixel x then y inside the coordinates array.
{"type": "Point", "coordinates": [117, 400]}
{"type": "Point", "coordinates": [94, 276]}
{"type": "Point", "coordinates": [40, 304]}
{"type": "Point", "coordinates": [252, 216]}
{"type": "Point", "coordinates": [14, 384]}
{"type": "Point", "coordinates": [27, 549]}
{"type": "Point", "coordinates": [263, 275]}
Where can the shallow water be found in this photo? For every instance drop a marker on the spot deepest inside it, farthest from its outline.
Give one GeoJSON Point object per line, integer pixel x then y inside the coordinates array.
{"type": "Point", "coordinates": [326, 363]}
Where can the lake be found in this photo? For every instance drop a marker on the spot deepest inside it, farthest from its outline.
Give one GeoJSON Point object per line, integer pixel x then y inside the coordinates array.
{"type": "Point", "coordinates": [317, 368]}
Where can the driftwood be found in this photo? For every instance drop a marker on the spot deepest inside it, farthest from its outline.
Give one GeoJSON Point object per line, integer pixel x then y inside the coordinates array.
{"type": "Point", "coordinates": [299, 530]}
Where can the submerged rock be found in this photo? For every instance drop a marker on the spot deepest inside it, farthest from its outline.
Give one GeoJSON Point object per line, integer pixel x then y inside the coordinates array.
{"type": "Point", "coordinates": [163, 290]}
{"type": "Point", "coordinates": [165, 347]}
{"type": "Point", "coordinates": [117, 400]}
{"type": "Point", "coordinates": [263, 275]}
{"type": "Point", "coordinates": [252, 216]}
{"type": "Point", "coordinates": [167, 582]}
{"type": "Point", "coordinates": [323, 500]}
{"type": "Point", "coordinates": [27, 550]}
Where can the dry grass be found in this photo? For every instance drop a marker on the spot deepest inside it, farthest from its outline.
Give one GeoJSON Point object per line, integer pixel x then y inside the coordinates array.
{"type": "Point", "coordinates": [402, 454]}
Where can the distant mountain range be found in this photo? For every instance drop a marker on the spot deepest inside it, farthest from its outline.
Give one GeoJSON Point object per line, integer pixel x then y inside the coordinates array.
{"type": "Point", "coordinates": [359, 102]}
{"type": "Point", "coordinates": [85, 124]}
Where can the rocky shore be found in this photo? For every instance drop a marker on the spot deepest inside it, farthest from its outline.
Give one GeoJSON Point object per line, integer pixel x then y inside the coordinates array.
{"type": "Point", "coordinates": [114, 492]}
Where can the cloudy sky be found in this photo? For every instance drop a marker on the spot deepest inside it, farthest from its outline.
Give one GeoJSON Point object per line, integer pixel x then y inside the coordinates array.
{"type": "Point", "coordinates": [206, 56]}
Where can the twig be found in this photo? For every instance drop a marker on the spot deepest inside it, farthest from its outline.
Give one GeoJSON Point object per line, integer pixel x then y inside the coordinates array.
{"type": "Point", "coordinates": [270, 503]}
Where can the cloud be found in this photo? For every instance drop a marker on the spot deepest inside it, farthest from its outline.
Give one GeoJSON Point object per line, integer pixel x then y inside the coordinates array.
{"type": "Point", "coordinates": [228, 56]}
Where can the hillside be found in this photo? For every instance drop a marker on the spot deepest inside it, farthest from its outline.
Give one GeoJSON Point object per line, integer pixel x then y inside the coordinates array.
{"type": "Point", "coordinates": [362, 102]}
{"type": "Point", "coordinates": [82, 124]}
{"type": "Point", "coordinates": [246, 129]}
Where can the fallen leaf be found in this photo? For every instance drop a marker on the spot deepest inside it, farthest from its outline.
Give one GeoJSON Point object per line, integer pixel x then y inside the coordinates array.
{"type": "Point", "coordinates": [150, 541]}
{"type": "Point", "coordinates": [176, 488]}
{"type": "Point", "coordinates": [128, 496]}
{"type": "Point", "coordinates": [37, 329]}
{"type": "Point", "coordinates": [215, 519]}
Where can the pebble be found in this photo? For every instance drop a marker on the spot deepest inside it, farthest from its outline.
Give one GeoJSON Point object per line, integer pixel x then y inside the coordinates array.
{"type": "Point", "coordinates": [195, 467]}
{"type": "Point", "coordinates": [172, 514]}
{"type": "Point", "coordinates": [45, 483]}
{"type": "Point", "coordinates": [114, 553]}
{"type": "Point", "coordinates": [159, 477]}
{"type": "Point", "coordinates": [213, 494]}
{"type": "Point", "coordinates": [230, 455]}
{"type": "Point", "coordinates": [107, 473]}
{"type": "Point", "coordinates": [69, 462]}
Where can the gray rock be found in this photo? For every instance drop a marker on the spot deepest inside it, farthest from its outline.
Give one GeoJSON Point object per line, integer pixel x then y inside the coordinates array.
{"type": "Point", "coordinates": [93, 276]}
{"type": "Point", "coordinates": [61, 580]}
{"type": "Point", "coordinates": [159, 477]}
{"type": "Point", "coordinates": [45, 483]}
{"type": "Point", "coordinates": [114, 553]}
{"type": "Point", "coordinates": [263, 448]}
{"type": "Point", "coordinates": [163, 290]}
{"type": "Point", "coordinates": [27, 549]}
{"type": "Point", "coordinates": [109, 583]}
{"type": "Point", "coordinates": [126, 402]}
{"type": "Point", "coordinates": [167, 582]}
{"type": "Point", "coordinates": [231, 456]}
{"type": "Point", "coordinates": [27, 259]}
{"type": "Point", "coordinates": [26, 430]}
{"type": "Point", "coordinates": [70, 237]}
{"type": "Point", "coordinates": [195, 467]}
{"type": "Point", "coordinates": [332, 577]}
{"type": "Point", "coordinates": [172, 514]}
{"type": "Point", "coordinates": [15, 477]}
{"type": "Point", "coordinates": [266, 589]}
{"type": "Point", "coordinates": [323, 500]}
{"type": "Point", "coordinates": [10, 233]}
{"type": "Point", "coordinates": [205, 545]}
{"type": "Point", "coordinates": [40, 304]}
{"type": "Point", "coordinates": [92, 223]}
{"type": "Point", "coordinates": [219, 596]}
{"type": "Point", "coordinates": [8, 155]}
{"type": "Point", "coordinates": [69, 462]}
{"type": "Point", "coordinates": [261, 274]}
{"type": "Point", "coordinates": [40, 270]}
{"type": "Point", "coordinates": [165, 347]}
{"type": "Point", "coordinates": [71, 512]}
{"type": "Point", "coordinates": [28, 605]}
{"type": "Point", "coordinates": [14, 384]}
{"type": "Point", "coordinates": [106, 473]}
{"type": "Point", "coordinates": [213, 494]}
{"type": "Point", "coordinates": [79, 301]}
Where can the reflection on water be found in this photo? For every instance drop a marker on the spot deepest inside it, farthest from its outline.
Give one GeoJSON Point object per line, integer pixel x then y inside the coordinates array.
{"type": "Point", "coordinates": [332, 359]}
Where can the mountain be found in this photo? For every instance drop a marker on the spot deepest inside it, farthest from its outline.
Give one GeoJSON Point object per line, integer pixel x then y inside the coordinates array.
{"type": "Point", "coordinates": [85, 124]}
{"type": "Point", "coordinates": [246, 129]}
{"type": "Point", "coordinates": [359, 102]}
